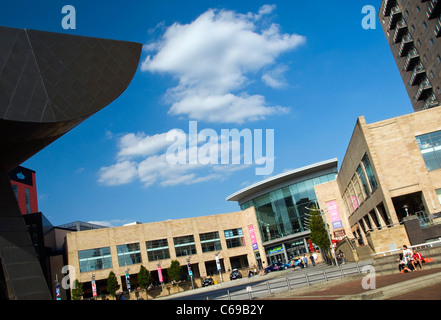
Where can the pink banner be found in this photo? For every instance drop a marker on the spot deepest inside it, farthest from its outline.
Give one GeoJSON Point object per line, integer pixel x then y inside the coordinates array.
{"type": "Point", "coordinates": [160, 274]}
{"type": "Point", "coordinates": [253, 236]}
{"type": "Point", "coordinates": [334, 215]}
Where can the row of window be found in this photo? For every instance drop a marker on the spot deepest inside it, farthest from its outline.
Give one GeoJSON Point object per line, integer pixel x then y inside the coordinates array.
{"type": "Point", "coordinates": [361, 186]}
{"type": "Point", "coordinates": [128, 254]}
{"type": "Point", "coordinates": [430, 147]}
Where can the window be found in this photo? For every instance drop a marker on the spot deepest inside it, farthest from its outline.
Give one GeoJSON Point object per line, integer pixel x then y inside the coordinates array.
{"type": "Point", "coordinates": [438, 194]}
{"type": "Point", "coordinates": [430, 147]}
{"type": "Point", "coordinates": [369, 172]}
{"type": "Point", "coordinates": [95, 259]}
{"type": "Point", "coordinates": [234, 238]}
{"type": "Point", "coordinates": [15, 189]}
{"type": "Point", "coordinates": [210, 241]}
{"type": "Point", "coordinates": [28, 200]}
{"type": "Point", "coordinates": [184, 246]}
{"type": "Point", "coordinates": [157, 249]}
{"type": "Point", "coordinates": [128, 254]}
{"type": "Point", "coordinates": [363, 180]}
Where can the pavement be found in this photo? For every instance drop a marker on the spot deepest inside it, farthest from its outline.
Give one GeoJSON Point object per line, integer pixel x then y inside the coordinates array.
{"type": "Point", "coordinates": [419, 285]}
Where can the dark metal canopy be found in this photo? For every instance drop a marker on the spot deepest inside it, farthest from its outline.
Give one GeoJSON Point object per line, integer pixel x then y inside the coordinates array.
{"type": "Point", "coordinates": [49, 83]}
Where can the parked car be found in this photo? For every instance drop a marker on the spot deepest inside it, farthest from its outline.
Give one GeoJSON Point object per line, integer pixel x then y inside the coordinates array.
{"type": "Point", "coordinates": [292, 263]}
{"type": "Point", "coordinates": [235, 274]}
{"type": "Point", "coordinates": [275, 267]}
{"type": "Point", "coordinates": [207, 282]}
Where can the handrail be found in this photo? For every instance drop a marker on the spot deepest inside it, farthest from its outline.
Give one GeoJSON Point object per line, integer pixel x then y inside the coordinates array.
{"type": "Point", "coordinates": [426, 244]}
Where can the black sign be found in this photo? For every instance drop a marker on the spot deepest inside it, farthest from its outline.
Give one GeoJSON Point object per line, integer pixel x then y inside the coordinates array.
{"type": "Point", "coordinates": [22, 175]}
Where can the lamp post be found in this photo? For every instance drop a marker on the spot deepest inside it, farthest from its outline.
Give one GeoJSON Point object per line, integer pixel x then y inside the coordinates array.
{"type": "Point", "coordinates": [190, 273]}
{"type": "Point", "coordinates": [128, 280]}
{"type": "Point", "coordinates": [93, 286]}
{"type": "Point", "coordinates": [161, 279]}
{"type": "Point", "coordinates": [219, 268]}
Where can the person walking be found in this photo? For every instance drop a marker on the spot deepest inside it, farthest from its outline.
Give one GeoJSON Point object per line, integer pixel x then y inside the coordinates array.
{"type": "Point", "coordinates": [305, 261]}
{"type": "Point", "coordinates": [311, 257]}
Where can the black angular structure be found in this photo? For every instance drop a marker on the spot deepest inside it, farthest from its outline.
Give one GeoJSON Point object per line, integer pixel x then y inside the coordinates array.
{"type": "Point", "coordinates": [49, 83]}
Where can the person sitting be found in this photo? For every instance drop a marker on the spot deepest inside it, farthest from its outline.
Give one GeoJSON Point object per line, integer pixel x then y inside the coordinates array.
{"type": "Point", "coordinates": [403, 266]}
{"type": "Point", "coordinates": [417, 259]}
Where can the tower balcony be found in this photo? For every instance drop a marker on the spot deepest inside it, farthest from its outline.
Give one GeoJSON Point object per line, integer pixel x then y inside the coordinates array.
{"type": "Point", "coordinates": [434, 9]}
{"type": "Point", "coordinates": [437, 30]}
{"type": "Point", "coordinates": [424, 90]}
{"type": "Point", "coordinates": [430, 102]}
{"type": "Point", "coordinates": [395, 16]}
{"type": "Point", "coordinates": [388, 4]}
{"type": "Point", "coordinates": [406, 45]}
{"type": "Point", "coordinates": [400, 31]}
{"type": "Point", "coordinates": [412, 59]}
{"type": "Point", "coordinates": [418, 74]}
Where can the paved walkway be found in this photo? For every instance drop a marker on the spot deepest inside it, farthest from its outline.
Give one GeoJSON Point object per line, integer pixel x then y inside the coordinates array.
{"type": "Point", "coordinates": [423, 290]}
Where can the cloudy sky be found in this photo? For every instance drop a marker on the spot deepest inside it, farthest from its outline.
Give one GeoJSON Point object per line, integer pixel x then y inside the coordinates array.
{"type": "Point", "coordinates": [303, 71]}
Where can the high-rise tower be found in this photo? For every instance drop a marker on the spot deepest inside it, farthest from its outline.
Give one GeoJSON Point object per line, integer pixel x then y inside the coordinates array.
{"type": "Point", "coordinates": [413, 31]}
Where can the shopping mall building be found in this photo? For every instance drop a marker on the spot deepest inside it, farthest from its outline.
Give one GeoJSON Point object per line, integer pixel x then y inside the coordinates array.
{"type": "Point", "coordinates": [269, 227]}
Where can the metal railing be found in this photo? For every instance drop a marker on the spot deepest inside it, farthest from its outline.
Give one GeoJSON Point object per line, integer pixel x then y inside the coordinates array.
{"type": "Point", "coordinates": [418, 246]}
{"type": "Point", "coordinates": [295, 280]}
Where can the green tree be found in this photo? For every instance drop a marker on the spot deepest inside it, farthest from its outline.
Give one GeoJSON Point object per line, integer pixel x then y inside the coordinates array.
{"type": "Point", "coordinates": [144, 278]}
{"type": "Point", "coordinates": [77, 290]}
{"type": "Point", "coordinates": [319, 235]}
{"type": "Point", "coordinates": [112, 284]}
{"type": "Point", "coordinates": [174, 271]}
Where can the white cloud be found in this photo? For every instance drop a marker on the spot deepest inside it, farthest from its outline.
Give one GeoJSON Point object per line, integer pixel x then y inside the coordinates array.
{"type": "Point", "coordinates": [111, 223]}
{"type": "Point", "coordinates": [213, 57]}
{"type": "Point", "coordinates": [119, 173]}
{"type": "Point", "coordinates": [144, 158]}
{"type": "Point", "coordinates": [274, 77]}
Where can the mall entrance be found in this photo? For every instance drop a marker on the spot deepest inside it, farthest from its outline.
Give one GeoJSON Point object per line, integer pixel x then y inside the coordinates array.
{"type": "Point", "coordinates": [286, 250]}
{"type": "Point", "coordinates": [411, 204]}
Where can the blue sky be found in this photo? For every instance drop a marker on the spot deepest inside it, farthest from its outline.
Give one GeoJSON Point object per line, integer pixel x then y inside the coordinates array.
{"type": "Point", "coordinates": [305, 70]}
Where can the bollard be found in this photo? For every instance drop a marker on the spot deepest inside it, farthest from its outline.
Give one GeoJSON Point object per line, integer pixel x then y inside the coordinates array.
{"type": "Point", "coordinates": [287, 282]}
{"type": "Point", "coordinates": [341, 271]}
{"type": "Point", "coordinates": [269, 289]}
{"type": "Point", "coordinates": [324, 275]}
{"type": "Point", "coordinates": [228, 294]}
{"type": "Point", "coordinates": [358, 267]}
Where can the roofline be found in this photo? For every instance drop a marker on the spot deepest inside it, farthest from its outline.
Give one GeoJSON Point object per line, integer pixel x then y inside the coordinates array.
{"type": "Point", "coordinates": [285, 176]}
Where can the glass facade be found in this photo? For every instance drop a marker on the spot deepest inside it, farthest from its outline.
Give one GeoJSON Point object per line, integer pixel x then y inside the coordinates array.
{"type": "Point", "coordinates": [210, 241]}
{"type": "Point", "coordinates": [370, 172]}
{"type": "Point", "coordinates": [95, 259]}
{"type": "Point", "coordinates": [281, 212]}
{"type": "Point", "coordinates": [361, 186]}
{"type": "Point", "coordinates": [157, 249]}
{"type": "Point", "coordinates": [128, 254]}
{"type": "Point", "coordinates": [184, 246]}
{"type": "Point", "coordinates": [430, 147]}
{"type": "Point", "coordinates": [234, 238]}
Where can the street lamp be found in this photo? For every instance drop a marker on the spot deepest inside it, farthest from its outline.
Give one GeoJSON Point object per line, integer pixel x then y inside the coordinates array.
{"type": "Point", "coordinates": [190, 273]}
{"type": "Point", "coordinates": [219, 268]}
{"type": "Point", "coordinates": [322, 214]}
{"type": "Point", "coordinates": [128, 280]}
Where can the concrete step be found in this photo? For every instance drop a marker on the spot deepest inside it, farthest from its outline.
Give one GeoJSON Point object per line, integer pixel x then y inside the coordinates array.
{"type": "Point", "coordinates": [387, 264]}
{"type": "Point", "coordinates": [364, 252]}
